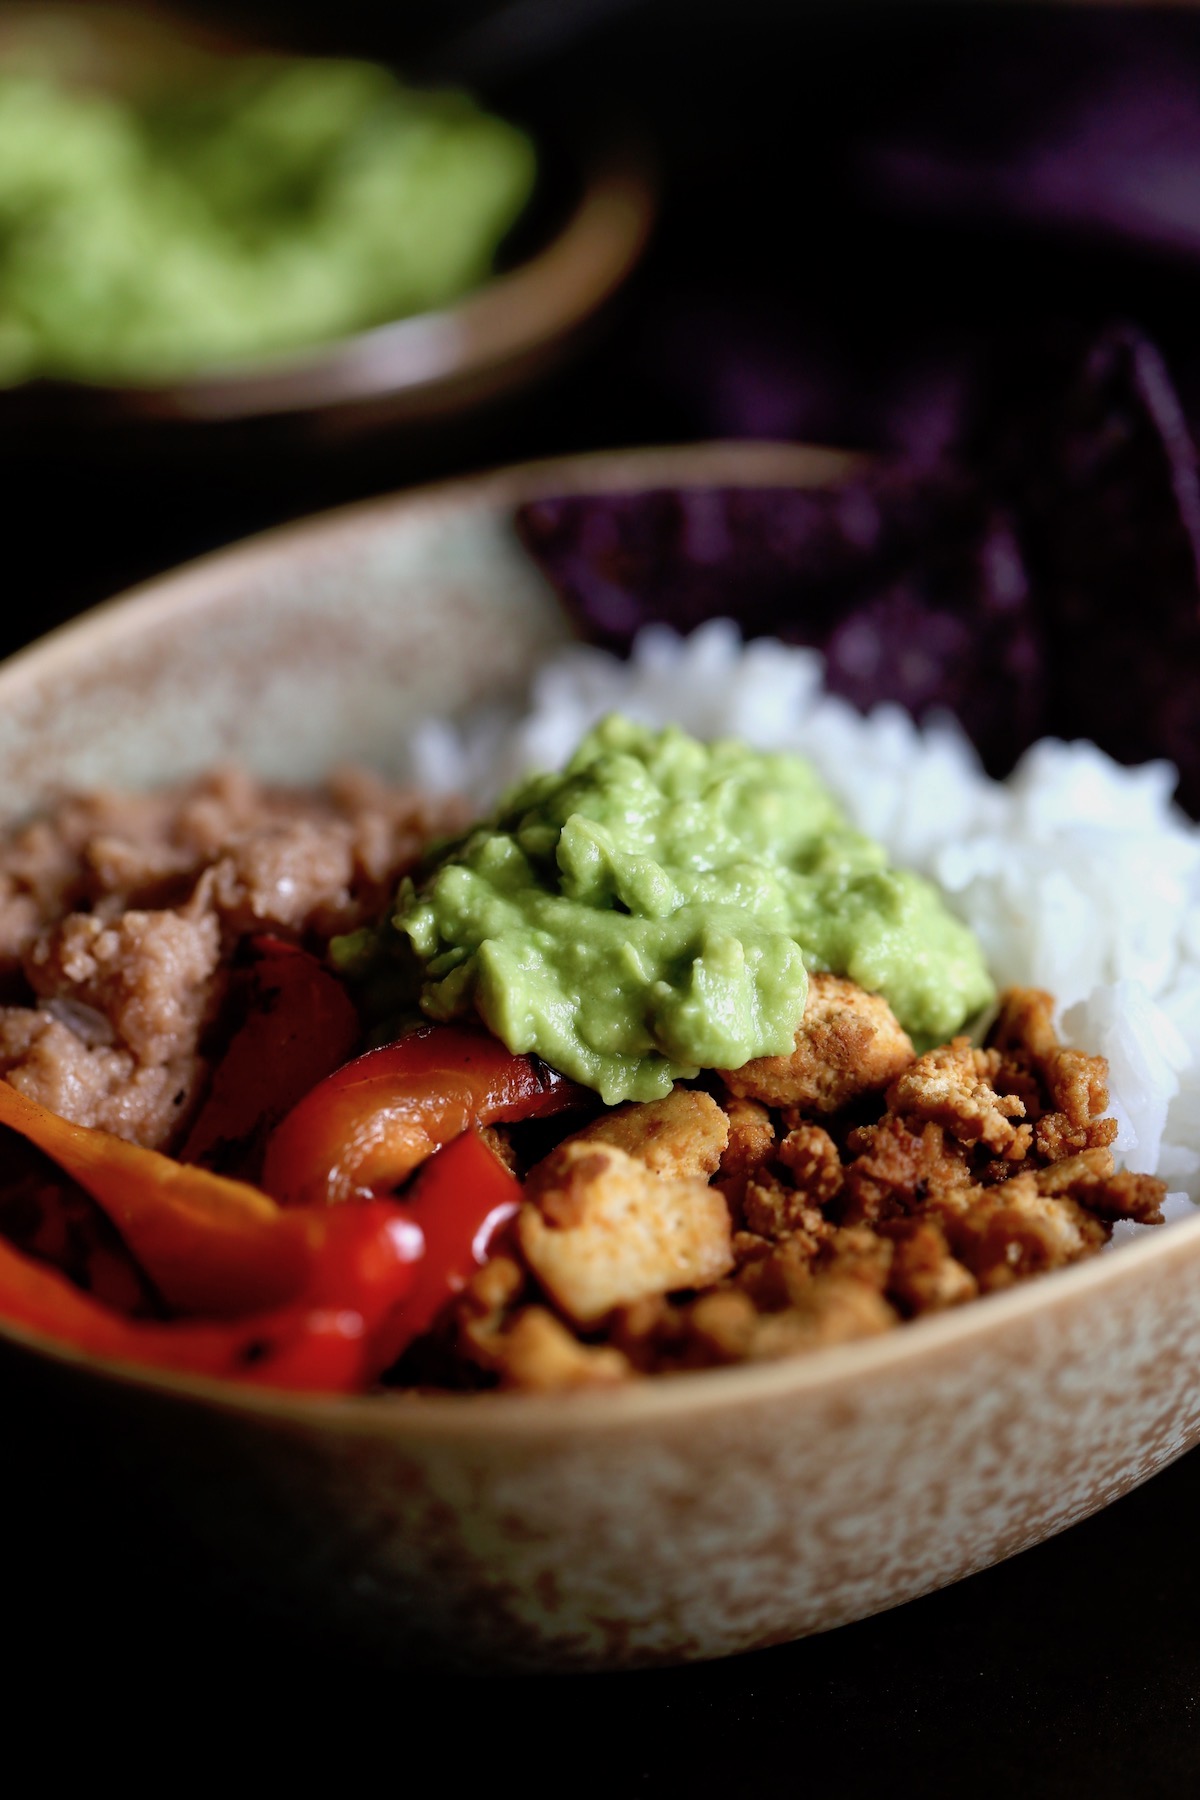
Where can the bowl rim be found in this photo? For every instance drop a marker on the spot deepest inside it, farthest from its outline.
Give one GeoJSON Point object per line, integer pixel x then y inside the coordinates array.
{"type": "Point", "coordinates": [734, 462]}
{"type": "Point", "coordinates": [417, 1415]}
{"type": "Point", "coordinates": [512, 315]}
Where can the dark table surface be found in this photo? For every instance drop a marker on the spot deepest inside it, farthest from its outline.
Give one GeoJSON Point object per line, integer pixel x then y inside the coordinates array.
{"type": "Point", "coordinates": [790, 292]}
{"type": "Point", "coordinates": [1072, 1669]}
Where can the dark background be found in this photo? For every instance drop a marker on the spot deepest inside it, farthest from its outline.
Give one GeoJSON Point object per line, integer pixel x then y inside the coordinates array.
{"type": "Point", "coordinates": [860, 204]}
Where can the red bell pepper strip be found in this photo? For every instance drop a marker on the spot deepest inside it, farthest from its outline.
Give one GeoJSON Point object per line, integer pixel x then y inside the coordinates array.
{"type": "Point", "coordinates": [461, 1200]}
{"type": "Point", "coordinates": [303, 1298]}
{"type": "Point", "coordinates": [306, 1295]}
{"type": "Point", "coordinates": [379, 1275]}
{"type": "Point", "coordinates": [366, 1128]}
{"type": "Point", "coordinates": [300, 1025]}
{"type": "Point", "coordinates": [216, 1246]}
{"type": "Point", "coordinates": [310, 1297]}
{"type": "Point", "coordinates": [305, 1346]}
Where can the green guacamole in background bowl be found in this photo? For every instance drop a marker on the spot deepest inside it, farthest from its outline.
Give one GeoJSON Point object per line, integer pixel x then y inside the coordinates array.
{"type": "Point", "coordinates": [265, 206]}
{"type": "Point", "coordinates": [196, 232]}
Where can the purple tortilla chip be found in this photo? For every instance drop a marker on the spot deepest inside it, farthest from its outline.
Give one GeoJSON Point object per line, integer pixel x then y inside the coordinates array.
{"type": "Point", "coordinates": [1045, 581]}
{"type": "Point", "coordinates": [912, 588]}
{"type": "Point", "coordinates": [1106, 486]}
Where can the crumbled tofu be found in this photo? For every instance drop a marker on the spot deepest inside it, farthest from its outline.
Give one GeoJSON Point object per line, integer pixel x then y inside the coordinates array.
{"type": "Point", "coordinates": [539, 1354]}
{"type": "Point", "coordinates": [751, 1137]}
{"type": "Point", "coordinates": [683, 1135]}
{"type": "Point", "coordinates": [1007, 1233]}
{"type": "Point", "coordinates": [600, 1230]}
{"type": "Point", "coordinates": [949, 1087]}
{"type": "Point", "coordinates": [848, 1043]}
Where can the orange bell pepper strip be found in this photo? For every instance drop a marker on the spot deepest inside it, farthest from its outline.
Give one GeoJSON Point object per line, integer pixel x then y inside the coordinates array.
{"type": "Point", "coordinates": [209, 1244]}
{"type": "Point", "coordinates": [314, 1297]}
{"type": "Point", "coordinates": [363, 1131]}
{"type": "Point", "coordinates": [306, 1298]}
{"type": "Point", "coordinates": [299, 1026]}
{"type": "Point", "coordinates": [47, 1215]}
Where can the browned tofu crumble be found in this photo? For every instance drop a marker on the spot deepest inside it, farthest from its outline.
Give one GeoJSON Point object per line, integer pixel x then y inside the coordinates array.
{"type": "Point", "coordinates": [757, 1213]}
{"type": "Point", "coordinates": [861, 1185]}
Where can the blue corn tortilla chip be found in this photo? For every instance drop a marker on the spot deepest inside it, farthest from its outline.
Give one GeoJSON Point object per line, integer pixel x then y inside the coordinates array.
{"type": "Point", "coordinates": [911, 586]}
{"type": "Point", "coordinates": [1042, 577]}
{"type": "Point", "coordinates": [1097, 462]}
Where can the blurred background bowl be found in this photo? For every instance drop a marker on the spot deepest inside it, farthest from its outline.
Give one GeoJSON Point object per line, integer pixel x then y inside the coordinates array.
{"type": "Point", "coordinates": [574, 245]}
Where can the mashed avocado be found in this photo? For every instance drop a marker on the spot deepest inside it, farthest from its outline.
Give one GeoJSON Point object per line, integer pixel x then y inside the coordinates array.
{"type": "Point", "coordinates": [654, 909]}
{"type": "Point", "coordinates": [276, 204]}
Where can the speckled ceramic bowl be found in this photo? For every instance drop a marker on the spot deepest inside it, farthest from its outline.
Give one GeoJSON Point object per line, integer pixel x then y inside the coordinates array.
{"type": "Point", "coordinates": [690, 1517]}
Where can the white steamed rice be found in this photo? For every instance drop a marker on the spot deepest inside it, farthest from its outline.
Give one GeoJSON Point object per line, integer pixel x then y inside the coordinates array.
{"type": "Point", "coordinates": [1077, 874]}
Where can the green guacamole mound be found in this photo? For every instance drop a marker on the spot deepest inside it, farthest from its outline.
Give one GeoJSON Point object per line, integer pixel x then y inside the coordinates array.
{"type": "Point", "coordinates": [654, 910]}
{"type": "Point", "coordinates": [278, 203]}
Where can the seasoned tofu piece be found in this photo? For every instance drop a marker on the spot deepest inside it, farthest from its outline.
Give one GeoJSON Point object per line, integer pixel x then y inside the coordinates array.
{"type": "Point", "coordinates": [751, 1137]}
{"type": "Point", "coordinates": [600, 1230]}
{"type": "Point", "coordinates": [751, 1142]}
{"type": "Point", "coordinates": [1025, 1021]}
{"type": "Point", "coordinates": [539, 1354]}
{"type": "Point", "coordinates": [827, 1309]}
{"type": "Point", "coordinates": [683, 1135]}
{"type": "Point", "coordinates": [811, 1158]}
{"type": "Point", "coordinates": [1089, 1180]}
{"type": "Point", "coordinates": [924, 1275]}
{"type": "Point", "coordinates": [949, 1087]}
{"type": "Point", "coordinates": [771, 1208]}
{"type": "Point", "coordinates": [835, 1309]}
{"type": "Point", "coordinates": [848, 1043]}
{"type": "Point", "coordinates": [1006, 1233]}
{"type": "Point", "coordinates": [1065, 1091]}
{"type": "Point", "coordinates": [889, 1166]}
